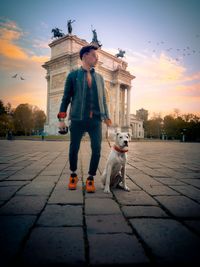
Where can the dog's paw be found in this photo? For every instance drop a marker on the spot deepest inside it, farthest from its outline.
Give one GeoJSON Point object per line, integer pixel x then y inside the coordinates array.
{"type": "Point", "coordinates": [106, 190]}
{"type": "Point", "coordinates": [126, 188]}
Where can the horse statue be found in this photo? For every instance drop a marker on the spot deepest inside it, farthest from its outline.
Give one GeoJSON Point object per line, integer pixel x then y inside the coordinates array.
{"type": "Point", "coordinates": [121, 53]}
{"type": "Point", "coordinates": [57, 33]}
{"type": "Point", "coordinates": [95, 40]}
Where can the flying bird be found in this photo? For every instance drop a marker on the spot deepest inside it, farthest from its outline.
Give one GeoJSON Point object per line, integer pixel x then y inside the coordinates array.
{"type": "Point", "coordinates": [14, 76]}
{"type": "Point", "coordinates": [22, 78]}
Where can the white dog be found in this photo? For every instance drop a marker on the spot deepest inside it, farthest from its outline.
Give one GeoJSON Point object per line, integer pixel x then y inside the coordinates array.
{"type": "Point", "coordinates": [115, 171]}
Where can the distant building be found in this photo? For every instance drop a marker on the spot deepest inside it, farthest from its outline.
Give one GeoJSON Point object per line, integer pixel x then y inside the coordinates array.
{"type": "Point", "coordinates": [142, 114]}
{"type": "Point", "coordinates": [136, 125]}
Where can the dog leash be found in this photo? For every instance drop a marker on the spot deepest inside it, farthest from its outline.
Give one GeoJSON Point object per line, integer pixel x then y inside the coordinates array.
{"type": "Point", "coordinates": [107, 138]}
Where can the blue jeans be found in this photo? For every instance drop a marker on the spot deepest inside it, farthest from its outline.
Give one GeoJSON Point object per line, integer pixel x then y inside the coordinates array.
{"type": "Point", "coordinates": [77, 129]}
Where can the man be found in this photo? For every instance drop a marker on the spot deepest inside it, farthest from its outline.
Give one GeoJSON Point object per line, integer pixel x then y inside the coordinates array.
{"type": "Point", "coordinates": [84, 89]}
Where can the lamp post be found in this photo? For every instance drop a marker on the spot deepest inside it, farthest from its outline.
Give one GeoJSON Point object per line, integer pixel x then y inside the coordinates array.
{"type": "Point", "coordinates": [162, 130]}
{"type": "Point", "coordinates": [183, 134]}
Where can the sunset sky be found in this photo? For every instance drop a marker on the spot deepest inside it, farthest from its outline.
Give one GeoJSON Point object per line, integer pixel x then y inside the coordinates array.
{"type": "Point", "coordinates": [161, 39]}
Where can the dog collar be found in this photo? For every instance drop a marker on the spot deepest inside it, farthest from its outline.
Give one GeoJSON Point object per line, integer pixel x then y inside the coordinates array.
{"type": "Point", "coordinates": [119, 149]}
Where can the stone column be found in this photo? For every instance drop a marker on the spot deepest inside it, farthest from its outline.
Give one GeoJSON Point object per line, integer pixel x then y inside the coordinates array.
{"type": "Point", "coordinates": [123, 107]}
{"type": "Point", "coordinates": [128, 107]}
{"type": "Point", "coordinates": [117, 103]}
{"type": "Point", "coordinates": [48, 91]}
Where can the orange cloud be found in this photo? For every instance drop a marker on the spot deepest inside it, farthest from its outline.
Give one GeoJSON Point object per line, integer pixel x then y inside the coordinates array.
{"type": "Point", "coordinates": [161, 84]}
{"type": "Point", "coordinates": [9, 33]}
{"type": "Point", "coordinates": [39, 59]}
{"type": "Point", "coordinates": [192, 90]}
{"type": "Point", "coordinates": [15, 59]}
{"type": "Point", "coordinates": [157, 70]}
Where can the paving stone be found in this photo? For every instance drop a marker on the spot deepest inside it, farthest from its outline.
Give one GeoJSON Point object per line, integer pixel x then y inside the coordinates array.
{"type": "Point", "coordinates": [1, 202]}
{"type": "Point", "coordinates": [194, 182]}
{"type": "Point", "coordinates": [131, 171]}
{"type": "Point", "coordinates": [45, 178]}
{"type": "Point", "coordinates": [51, 172]}
{"type": "Point", "coordinates": [160, 190]}
{"type": "Point", "coordinates": [57, 246]}
{"type": "Point", "coordinates": [170, 241]}
{"type": "Point", "coordinates": [169, 181]}
{"type": "Point", "coordinates": [5, 174]}
{"type": "Point", "coordinates": [132, 186]}
{"type": "Point", "coordinates": [11, 183]}
{"type": "Point", "coordinates": [61, 215]}
{"type": "Point", "coordinates": [194, 224]}
{"type": "Point", "coordinates": [14, 168]}
{"type": "Point", "coordinates": [28, 171]}
{"type": "Point", "coordinates": [37, 188]}
{"type": "Point", "coordinates": [152, 172]}
{"type": "Point", "coordinates": [180, 206]}
{"type": "Point", "coordinates": [115, 249]}
{"type": "Point", "coordinates": [21, 177]}
{"type": "Point", "coordinates": [7, 191]}
{"type": "Point", "coordinates": [101, 206]}
{"type": "Point", "coordinates": [169, 172]}
{"type": "Point", "coordinates": [188, 191]}
{"type": "Point", "coordinates": [98, 193]}
{"type": "Point", "coordinates": [134, 198]}
{"type": "Point", "coordinates": [3, 165]}
{"type": "Point", "coordinates": [193, 167]}
{"type": "Point", "coordinates": [13, 230]}
{"type": "Point", "coordinates": [188, 175]}
{"type": "Point", "coordinates": [62, 195]}
{"type": "Point", "coordinates": [114, 223]}
{"type": "Point", "coordinates": [144, 180]}
{"type": "Point", "coordinates": [24, 205]}
{"type": "Point", "coordinates": [143, 211]}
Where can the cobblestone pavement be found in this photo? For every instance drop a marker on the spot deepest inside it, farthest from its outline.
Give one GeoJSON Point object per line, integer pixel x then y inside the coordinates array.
{"type": "Point", "coordinates": [43, 223]}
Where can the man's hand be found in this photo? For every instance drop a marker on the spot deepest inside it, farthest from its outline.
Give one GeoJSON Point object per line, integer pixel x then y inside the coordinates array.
{"type": "Point", "coordinates": [63, 129]}
{"type": "Point", "coordinates": [108, 122]}
{"type": "Point", "coordinates": [61, 125]}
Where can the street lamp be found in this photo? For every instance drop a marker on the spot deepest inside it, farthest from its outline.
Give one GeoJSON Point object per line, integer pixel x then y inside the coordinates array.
{"type": "Point", "coordinates": [162, 130]}
{"type": "Point", "coordinates": [183, 134]}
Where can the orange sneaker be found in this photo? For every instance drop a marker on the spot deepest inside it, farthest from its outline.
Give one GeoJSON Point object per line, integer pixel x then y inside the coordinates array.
{"type": "Point", "coordinates": [90, 188]}
{"type": "Point", "coordinates": [73, 180]}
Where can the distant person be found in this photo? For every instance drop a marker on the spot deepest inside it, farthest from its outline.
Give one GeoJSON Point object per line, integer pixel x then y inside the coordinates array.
{"type": "Point", "coordinates": [43, 135]}
{"type": "Point", "coordinates": [84, 89]}
{"type": "Point", "coordinates": [9, 135]}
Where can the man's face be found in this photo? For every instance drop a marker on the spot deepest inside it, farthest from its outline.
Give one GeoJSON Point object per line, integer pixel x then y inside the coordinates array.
{"type": "Point", "coordinates": [91, 58]}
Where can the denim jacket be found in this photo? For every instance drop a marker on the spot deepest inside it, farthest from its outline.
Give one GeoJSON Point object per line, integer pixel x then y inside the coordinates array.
{"type": "Point", "coordinates": [75, 93]}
